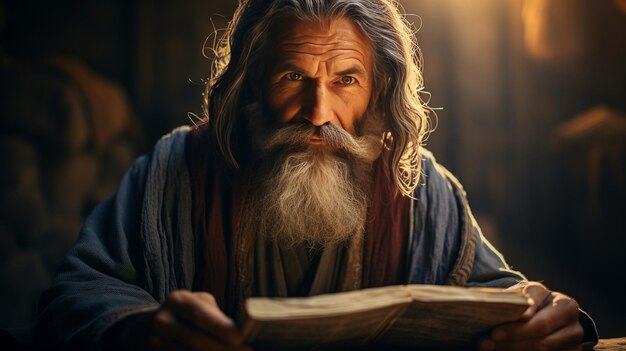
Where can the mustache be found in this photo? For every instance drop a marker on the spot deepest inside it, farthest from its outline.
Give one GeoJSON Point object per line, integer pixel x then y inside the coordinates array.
{"type": "Point", "coordinates": [336, 139]}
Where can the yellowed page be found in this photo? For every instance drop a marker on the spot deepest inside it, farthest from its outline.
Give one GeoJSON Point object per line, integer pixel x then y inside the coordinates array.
{"type": "Point", "coordinates": [452, 318]}
{"type": "Point", "coordinates": [416, 316]}
{"type": "Point", "coordinates": [334, 320]}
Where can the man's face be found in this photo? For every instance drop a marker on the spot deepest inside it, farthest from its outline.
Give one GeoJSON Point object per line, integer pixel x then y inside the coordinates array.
{"type": "Point", "coordinates": [321, 72]}
{"type": "Point", "coordinates": [310, 160]}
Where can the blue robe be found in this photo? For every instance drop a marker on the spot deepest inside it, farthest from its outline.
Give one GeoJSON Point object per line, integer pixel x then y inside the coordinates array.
{"type": "Point", "coordinates": [138, 246]}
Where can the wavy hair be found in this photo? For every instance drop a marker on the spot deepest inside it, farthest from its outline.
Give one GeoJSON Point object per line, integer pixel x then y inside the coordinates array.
{"type": "Point", "coordinates": [237, 73]}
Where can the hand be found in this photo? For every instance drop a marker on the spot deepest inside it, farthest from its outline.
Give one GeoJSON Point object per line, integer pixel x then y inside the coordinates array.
{"type": "Point", "coordinates": [550, 323]}
{"type": "Point", "coordinates": [193, 321]}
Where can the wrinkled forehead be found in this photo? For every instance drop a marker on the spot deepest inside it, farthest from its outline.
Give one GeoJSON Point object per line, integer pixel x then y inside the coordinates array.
{"type": "Point", "coordinates": [322, 38]}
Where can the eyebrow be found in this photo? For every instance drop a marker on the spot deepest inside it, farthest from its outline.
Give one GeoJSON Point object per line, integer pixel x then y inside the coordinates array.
{"type": "Point", "coordinates": [291, 67]}
{"type": "Point", "coordinates": [351, 70]}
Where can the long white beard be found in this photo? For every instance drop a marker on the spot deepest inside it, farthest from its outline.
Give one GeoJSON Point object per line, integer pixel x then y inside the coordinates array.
{"type": "Point", "coordinates": [312, 194]}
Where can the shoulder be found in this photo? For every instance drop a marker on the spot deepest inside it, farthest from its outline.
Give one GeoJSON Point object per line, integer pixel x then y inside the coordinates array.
{"type": "Point", "coordinates": [169, 154]}
{"type": "Point", "coordinates": [436, 181]}
{"type": "Point", "coordinates": [442, 224]}
{"type": "Point", "coordinates": [173, 142]}
{"type": "Point", "coordinates": [169, 147]}
{"type": "Point", "coordinates": [439, 199]}
{"type": "Point", "coordinates": [152, 168]}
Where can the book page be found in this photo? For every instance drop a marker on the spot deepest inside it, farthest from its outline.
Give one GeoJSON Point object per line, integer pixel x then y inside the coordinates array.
{"type": "Point", "coordinates": [447, 318]}
{"type": "Point", "coordinates": [334, 320]}
{"type": "Point", "coordinates": [458, 293]}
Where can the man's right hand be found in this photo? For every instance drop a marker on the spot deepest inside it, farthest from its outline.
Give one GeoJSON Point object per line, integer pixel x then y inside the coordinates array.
{"type": "Point", "coordinates": [193, 321]}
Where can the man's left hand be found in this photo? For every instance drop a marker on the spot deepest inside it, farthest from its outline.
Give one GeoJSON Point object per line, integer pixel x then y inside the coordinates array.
{"type": "Point", "coordinates": [550, 323]}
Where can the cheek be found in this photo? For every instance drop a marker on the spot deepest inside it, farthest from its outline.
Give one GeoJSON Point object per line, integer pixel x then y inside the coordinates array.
{"type": "Point", "coordinates": [283, 104]}
{"type": "Point", "coordinates": [351, 110]}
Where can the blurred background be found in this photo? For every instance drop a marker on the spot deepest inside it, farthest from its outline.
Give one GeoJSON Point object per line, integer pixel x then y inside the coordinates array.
{"type": "Point", "coordinates": [532, 121]}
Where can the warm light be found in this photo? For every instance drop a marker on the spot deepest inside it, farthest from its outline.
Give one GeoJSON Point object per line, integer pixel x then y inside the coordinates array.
{"type": "Point", "coordinates": [553, 29]}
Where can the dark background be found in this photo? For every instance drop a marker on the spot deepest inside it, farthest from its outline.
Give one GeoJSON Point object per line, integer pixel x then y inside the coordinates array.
{"type": "Point", "coordinates": [533, 126]}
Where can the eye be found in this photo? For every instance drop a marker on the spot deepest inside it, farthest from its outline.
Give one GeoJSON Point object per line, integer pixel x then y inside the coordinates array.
{"type": "Point", "coordinates": [294, 76]}
{"type": "Point", "coordinates": [347, 80]}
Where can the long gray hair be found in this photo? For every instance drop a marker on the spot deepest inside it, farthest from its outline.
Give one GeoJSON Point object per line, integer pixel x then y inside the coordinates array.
{"type": "Point", "coordinates": [237, 74]}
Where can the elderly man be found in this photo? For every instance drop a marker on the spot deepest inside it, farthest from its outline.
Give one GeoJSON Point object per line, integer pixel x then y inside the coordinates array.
{"type": "Point", "coordinates": [306, 178]}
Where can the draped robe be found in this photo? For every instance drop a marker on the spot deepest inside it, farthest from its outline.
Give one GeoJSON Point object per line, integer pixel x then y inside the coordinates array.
{"type": "Point", "coordinates": [143, 243]}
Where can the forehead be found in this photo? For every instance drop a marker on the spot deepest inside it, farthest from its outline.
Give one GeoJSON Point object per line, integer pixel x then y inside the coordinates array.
{"type": "Point", "coordinates": [326, 40]}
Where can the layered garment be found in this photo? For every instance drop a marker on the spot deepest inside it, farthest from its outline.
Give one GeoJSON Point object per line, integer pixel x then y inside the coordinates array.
{"type": "Point", "coordinates": [149, 239]}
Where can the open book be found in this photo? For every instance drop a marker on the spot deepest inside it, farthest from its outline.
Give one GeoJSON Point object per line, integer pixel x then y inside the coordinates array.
{"type": "Point", "coordinates": [423, 317]}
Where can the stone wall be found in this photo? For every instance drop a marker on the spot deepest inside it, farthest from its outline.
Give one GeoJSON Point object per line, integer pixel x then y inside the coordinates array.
{"type": "Point", "coordinates": [67, 137]}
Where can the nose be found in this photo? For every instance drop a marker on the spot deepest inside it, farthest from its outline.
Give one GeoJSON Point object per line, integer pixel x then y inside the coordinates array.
{"type": "Point", "coordinates": [318, 107]}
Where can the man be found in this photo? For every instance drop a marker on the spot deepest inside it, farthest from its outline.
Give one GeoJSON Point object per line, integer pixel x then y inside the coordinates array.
{"type": "Point", "coordinates": [307, 178]}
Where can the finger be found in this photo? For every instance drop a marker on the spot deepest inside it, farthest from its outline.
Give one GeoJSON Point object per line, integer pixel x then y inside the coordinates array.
{"type": "Point", "coordinates": [561, 312]}
{"type": "Point", "coordinates": [568, 338]}
{"type": "Point", "coordinates": [168, 328]}
{"type": "Point", "coordinates": [201, 311]}
{"type": "Point", "coordinates": [518, 287]}
{"type": "Point", "coordinates": [537, 293]}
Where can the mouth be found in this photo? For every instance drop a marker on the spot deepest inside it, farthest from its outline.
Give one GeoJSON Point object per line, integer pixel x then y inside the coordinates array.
{"type": "Point", "coordinates": [316, 140]}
